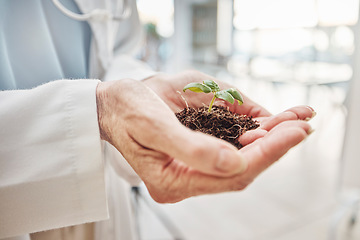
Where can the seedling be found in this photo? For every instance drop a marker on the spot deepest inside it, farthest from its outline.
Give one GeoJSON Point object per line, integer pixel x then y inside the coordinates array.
{"type": "Point", "coordinates": [208, 86]}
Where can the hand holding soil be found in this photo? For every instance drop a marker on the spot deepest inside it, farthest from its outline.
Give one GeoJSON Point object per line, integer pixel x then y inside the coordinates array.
{"type": "Point", "coordinates": [175, 162]}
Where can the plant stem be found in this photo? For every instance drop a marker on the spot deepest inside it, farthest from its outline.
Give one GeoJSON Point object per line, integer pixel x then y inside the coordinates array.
{"type": "Point", "coordinates": [211, 103]}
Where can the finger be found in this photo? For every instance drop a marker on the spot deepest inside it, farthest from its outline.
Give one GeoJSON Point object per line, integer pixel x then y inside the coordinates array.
{"type": "Point", "coordinates": [303, 112]}
{"type": "Point", "coordinates": [249, 108]}
{"type": "Point", "coordinates": [252, 135]}
{"type": "Point", "coordinates": [264, 152]}
{"type": "Point", "coordinates": [295, 113]}
{"type": "Point", "coordinates": [202, 152]}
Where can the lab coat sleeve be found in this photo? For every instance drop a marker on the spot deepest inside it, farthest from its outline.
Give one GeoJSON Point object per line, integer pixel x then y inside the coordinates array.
{"type": "Point", "coordinates": [124, 66]}
{"type": "Point", "coordinates": [51, 166]}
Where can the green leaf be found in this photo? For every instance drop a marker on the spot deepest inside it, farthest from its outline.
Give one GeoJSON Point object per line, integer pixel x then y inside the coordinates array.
{"type": "Point", "coordinates": [213, 85]}
{"type": "Point", "coordinates": [225, 96]}
{"type": "Point", "coordinates": [197, 87]}
{"type": "Point", "coordinates": [235, 93]}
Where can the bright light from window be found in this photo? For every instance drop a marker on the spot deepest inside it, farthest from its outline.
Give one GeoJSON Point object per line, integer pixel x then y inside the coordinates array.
{"type": "Point", "coordinates": [321, 40]}
{"type": "Point", "coordinates": [338, 12]}
{"type": "Point", "coordinates": [343, 38]}
{"type": "Point", "coordinates": [158, 12]}
{"type": "Point", "coordinates": [273, 42]}
{"type": "Point", "coordinates": [294, 13]}
{"type": "Point", "coordinates": [274, 14]}
{"type": "Point", "coordinates": [279, 42]}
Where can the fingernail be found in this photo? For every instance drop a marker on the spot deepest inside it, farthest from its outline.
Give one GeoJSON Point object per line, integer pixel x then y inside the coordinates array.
{"type": "Point", "coordinates": [310, 131]}
{"type": "Point", "coordinates": [310, 108]}
{"type": "Point", "coordinates": [313, 114]}
{"type": "Point", "coordinates": [230, 161]}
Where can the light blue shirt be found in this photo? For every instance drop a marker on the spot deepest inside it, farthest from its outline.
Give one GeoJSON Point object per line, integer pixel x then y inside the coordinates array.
{"type": "Point", "coordinates": [38, 43]}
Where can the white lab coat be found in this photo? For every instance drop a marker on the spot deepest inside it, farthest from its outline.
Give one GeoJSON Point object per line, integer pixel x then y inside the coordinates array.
{"type": "Point", "coordinates": [54, 169]}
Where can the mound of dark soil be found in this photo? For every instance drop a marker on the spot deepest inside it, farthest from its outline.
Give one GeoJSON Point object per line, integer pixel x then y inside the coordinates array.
{"type": "Point", "coordinates": [220, 122]}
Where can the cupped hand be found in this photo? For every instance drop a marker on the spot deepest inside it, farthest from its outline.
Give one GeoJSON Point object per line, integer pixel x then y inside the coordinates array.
{"type": "Point", "coordinates": [165, 154]}
{"type": "Point", "coordinates": [262, 147]}
{"type": "Point", "coordinates": [174, 162]}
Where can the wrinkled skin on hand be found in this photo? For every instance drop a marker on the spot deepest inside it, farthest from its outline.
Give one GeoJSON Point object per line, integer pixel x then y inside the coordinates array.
{"type": "Point", "coordinates": [176, 163]}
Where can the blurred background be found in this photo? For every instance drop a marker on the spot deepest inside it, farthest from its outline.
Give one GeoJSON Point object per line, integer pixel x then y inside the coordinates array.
{"type": "Point", "coordinates": [280, 53]}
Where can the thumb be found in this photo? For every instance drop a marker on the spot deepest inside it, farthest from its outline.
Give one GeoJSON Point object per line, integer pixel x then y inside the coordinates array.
{"type": "Point", "coordinates": [210, 155]}
{"type": "Point", "coordinates": [202, 152]}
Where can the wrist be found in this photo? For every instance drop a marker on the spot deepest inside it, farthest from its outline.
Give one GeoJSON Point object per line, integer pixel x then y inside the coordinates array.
{"type": "Point", "coordinates": [101, 98]}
